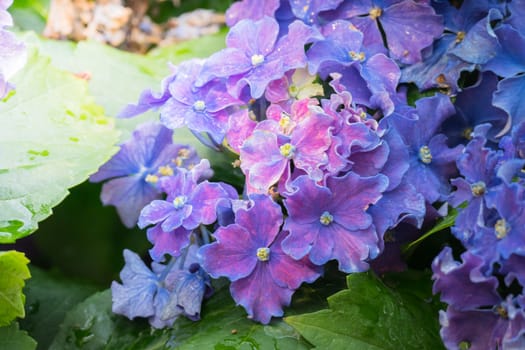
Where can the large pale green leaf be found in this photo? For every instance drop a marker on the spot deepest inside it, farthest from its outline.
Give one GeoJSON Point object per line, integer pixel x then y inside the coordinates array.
{"type": "Point", "coordinates": [13, 272]}
{"type": "Point", "coordinates": [11, 338]}
{"type": "Point", "coordinates": [48, 298]}
{"type": "Point", "coordinates": [52, 137]}
{"type": "Point", "coordinates": [371, 315]}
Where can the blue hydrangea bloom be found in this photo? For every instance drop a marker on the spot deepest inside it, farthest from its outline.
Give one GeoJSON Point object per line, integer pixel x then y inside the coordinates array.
{"type": "Point", "coordinates": [134, 172]}
{"type": "Point", "coordinates": [161, 294]}
{"type": "Point", "coordinates": [432, 162]}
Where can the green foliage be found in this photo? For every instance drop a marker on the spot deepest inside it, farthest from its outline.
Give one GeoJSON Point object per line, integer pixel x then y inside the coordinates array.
{"type": "Point", "coordinates": [48, 298]}
{"type": "Point", "coordinates": [11, 338]}
{"type": "Point", "coordinates": [441, 225]}
{"type": "Point", "coordinates": [13, 267]}
{"type": "Point", "coordinates": [370, 315]}
{"type": "Point", "coordinates": [92, 325]}
{"type": "Point", "coordinates": [30, 14]}
{"type": "Point", "coordinates": [52, 137]}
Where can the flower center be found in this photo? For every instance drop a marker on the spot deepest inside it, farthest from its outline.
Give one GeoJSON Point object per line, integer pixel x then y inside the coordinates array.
{"type": "Point", "coordinates": [293, 90]}
{"type": "Point", "coordinates": [165, 170]}
{"type": "Point", "coordinates": [357, 56]}
{"type": "Point", "coordinates": [257, 60]}
{"type": "Point", "coordinates": [478, 188]}
{"type": "Point", "coordinates": [263, 254]}
{"type": "Point", "coordinates": [502, 228]}
{"type": "Point", "coordinates": [464, 345]}
{"type": "Point", "coordinates": [326, 218]}
{"type": "Point", "coordinates": [424, 155]}
{"type": "Point", "coordinates": [502, 311]}
{"type": "Point", "coordinates": [467, 133]}
{"type": "Point", "coordinates": [284, 122]}
{"type": "Point", "coordinates": [179, 202]}
{"type": "Point", "coordinates": [459, 37]}
{"type": "Point", "coordinates": [199, 106]}
{"type": "Point", "coordinates": [287, 150]}
{"type": "Point", "coordinates": [151, 178]}
{"type": "Point", "coordinates": [375, 12]}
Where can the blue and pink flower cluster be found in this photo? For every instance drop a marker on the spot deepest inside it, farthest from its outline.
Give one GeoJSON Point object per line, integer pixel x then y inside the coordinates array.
{"type": "Point", "coordinates": [347, 119]}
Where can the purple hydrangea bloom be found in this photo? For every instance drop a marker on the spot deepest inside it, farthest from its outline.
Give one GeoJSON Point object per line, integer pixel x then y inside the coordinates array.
{"type": "Point", "coordinates": [477, 317]}
{"type": "Point", "coordinates": [331, 222]}
{"type": "Point", "coordinates": [266, 156]}
{"type": "Point", "coordinates": [249, 253]}
{"type": "Point", "coordinates": [468, 41]}
{"type": "Point", "coordinates": [474, 106]}
{"type": "Point", "coordinates": [366, 73]}
{"type": "Point", "coordinates": [5, 18]}
{"type": "Point", "coordinates": [13, 53]}
{"type": "Point", "coordinates": [187, 205]}
{"type": "Point", "coordinates": [250, 9]}
{"type": "Point", "coordinates": [163, 294]}
{"type": "Point", "coordinates": [203, 109]}
{"type": "Point", "coordinates": [255, 56]}
{"type": "Point", "coordinates": [501, 236]}
{"type": "Point", "coordinates": [477, 164]}
{"type": "Point", "coordinates": [432, 162]}
{"type": "Point", "coordinates": [134, 171]}
{"type": "Point", "coordinates": [150, 99]}
{"type": "Point", "coordinates": [409, 26]}
{"type": "Point", "coordinates": [509, 63]}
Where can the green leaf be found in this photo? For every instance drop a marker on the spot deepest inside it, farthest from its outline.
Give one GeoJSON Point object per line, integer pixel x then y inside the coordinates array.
{"type": "Point", "coordinates": [30, 14]}
{"type": "Point", "coordinates": [11, 338]}
{"type": "Point", "coordinates": [441, 225]}
{"type": "Point", "coordinates": [52, 137]}
{"type": "Point", "coordinates": [370, 315]}
{"type": "Point", "coordinates": [48, 299]}
{"type": "Point", "coordinates": [13, 267]}
{"type": "Point", "coordinates": [92, 325]}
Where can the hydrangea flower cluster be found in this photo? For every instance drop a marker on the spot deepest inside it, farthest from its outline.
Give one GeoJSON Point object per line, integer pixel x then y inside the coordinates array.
{"type": "Point", "coordinates": [13, 53]}
{"type": "Point", "coordinates": [340, 161]}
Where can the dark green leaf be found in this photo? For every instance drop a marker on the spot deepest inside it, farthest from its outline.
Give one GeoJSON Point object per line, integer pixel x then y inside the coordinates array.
{"type": "Point", "coordinates": [48, 298]}
{"type": "Point", "coordinates": [441, 225]}
{"type": "Point", "coordinates": [13, 272]}
{"type": "Point", "coordinates": [92, 325]}
{"type": "Point", "coordinates": [11, 338]}
{"type": "Point", "coordinates": [370, 315]}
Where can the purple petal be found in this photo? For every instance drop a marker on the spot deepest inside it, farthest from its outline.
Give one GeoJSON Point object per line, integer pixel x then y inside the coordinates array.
{"type": "Point", "coordinates": [288, 272]}
{"type": "Point", "coordinates": [155, 212]}
{"type": "Point", "coordinates": [171, 242]}
{"type": "Point", "coordinates": [233, 255]}
{"type": "Point", "coordinates": [352, 248]}
{"type": "Point", "coordinates": [260, 295]}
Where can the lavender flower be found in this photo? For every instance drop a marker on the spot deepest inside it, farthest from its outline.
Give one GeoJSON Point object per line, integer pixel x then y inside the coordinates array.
{"type": "Point", "coordinates": [163, 294]}
{"type": "Point", "coordinates": [134, 171]}
{"type": "Point", "coordinates": [254, 56]}
{"type": "Point", "coordinates": [13, 53]}
{"type": "Point", "coordinates": [188, 204]}
{"type": "Point", "coordinates": [409, 26]}
{"type": "Point", "coordinates": [249, 253]}
{"type": "Point", "coordinates": [331, 222]}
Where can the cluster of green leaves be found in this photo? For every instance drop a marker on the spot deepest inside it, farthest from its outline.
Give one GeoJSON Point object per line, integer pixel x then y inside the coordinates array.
{"type": "Point", "coordinates": [396, 312]}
